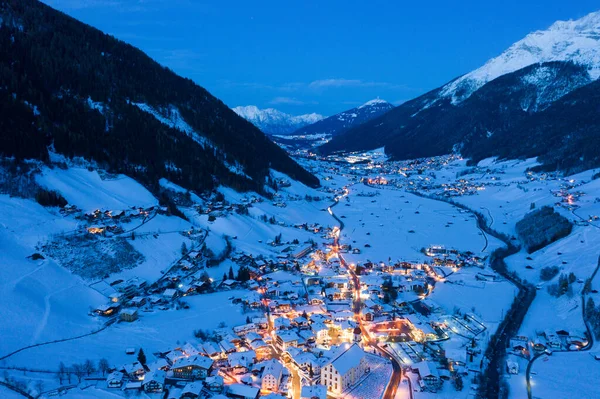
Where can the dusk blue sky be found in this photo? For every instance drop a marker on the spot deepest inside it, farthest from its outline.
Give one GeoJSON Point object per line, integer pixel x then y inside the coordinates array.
{"type": "Point", "coordinates": [320, 56]}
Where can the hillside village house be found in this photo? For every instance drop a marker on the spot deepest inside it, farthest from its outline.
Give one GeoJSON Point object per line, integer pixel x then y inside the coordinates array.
{"type": "Point", "coordinates": [346, 367]}
{"type": "Point", "coordinates": [154, 381]}
{"type": "Point", "coordinates": [115, 379]}
{"type": "Point", "coordinates": [429, 378]}
{"type": "Point", "coordinates": [314, 392]}
{"type": "Point", "coordinates": [272, 374]}
{"type": "Point", "coordinates": [135, 371]}
{"type": "Point", "coordinates": [129, 314]}
{"type": "Point", "coordinates": [192, 368]}
{"type": "Point", "coordinates": [286, 339]}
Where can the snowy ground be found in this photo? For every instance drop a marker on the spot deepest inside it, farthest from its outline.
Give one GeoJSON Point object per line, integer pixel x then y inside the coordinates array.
{"type": "Point", "coordinates": [157, 331]}
{"type": "Point", "coordinates": [42, 301]}
{"type": "Point", "coordinates": [398, 224]}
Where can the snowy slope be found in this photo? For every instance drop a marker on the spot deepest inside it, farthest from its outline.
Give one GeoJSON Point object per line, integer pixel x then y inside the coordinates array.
{"type": "Point", "coordinates": [573, 40]}
{"type": "Point", "coordinates": [272, 121]}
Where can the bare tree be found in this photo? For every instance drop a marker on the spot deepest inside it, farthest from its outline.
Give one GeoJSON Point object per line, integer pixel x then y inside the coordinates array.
{"type": "Point", "coordinates": [89, 367]}
{"type": "Point", "coordinates": [79, 371]}
{"type": "Point", "coordinates": [103, 366]}
{"type": "Point", "coordinates": [62, 371]}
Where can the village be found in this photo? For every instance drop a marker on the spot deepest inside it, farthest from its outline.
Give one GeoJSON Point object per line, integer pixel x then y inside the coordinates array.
{"type": "Point", "coordinates": [335, 314]}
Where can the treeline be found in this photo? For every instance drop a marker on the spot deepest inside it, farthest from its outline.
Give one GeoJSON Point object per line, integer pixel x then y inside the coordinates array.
{"type": "Point", "coordinates": [50, 198]}
{"type": "Point", "coordinates": [542, 227]}
{"type": "Point", "coordinates": [52, 67]}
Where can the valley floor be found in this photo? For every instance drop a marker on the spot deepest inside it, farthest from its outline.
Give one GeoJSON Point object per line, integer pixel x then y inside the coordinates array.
{"type": "Point", "coordinates": [389, 224]}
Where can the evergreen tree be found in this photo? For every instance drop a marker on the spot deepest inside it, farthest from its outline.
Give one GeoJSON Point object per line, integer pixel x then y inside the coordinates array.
{"type": "Point", "coordinates": [141, 357]}
{"type": "Point", "coordinates": [230, 275]}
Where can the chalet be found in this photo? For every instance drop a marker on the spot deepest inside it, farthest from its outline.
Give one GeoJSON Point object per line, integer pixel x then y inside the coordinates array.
{"type": "Point", "coordinates": [429, 378]}
{"type": "Point", "coordinates": [229, 284]}
{"type": "Point", "coordinates": [261, 322]}
{"type": "Point", "coordinates": [192, 390]}
{"type": "Point", "coordinates": [132, 286]}
{"type": "Point", "coordinates": [133, 386]}
{"type": "Point", "coordinates": [154, 381]}
{"type": "Point", "coordinates": [214, 383]}
{"type": "Point", "coordinates": [272, 375]}
{"type": "Point", "coordinates": [170, 294]}
{"type": "Point", "coordinates": [115, 379]}
{"type": "Point", "coordinates": [211, 349]}
{"type": "Point", "coordinates": [227, 346]}
{"type": "Point", "coordinates": [314, 392]}
{"type": "Point", "coordinates": [135, 371]}
{"type": "Point", "coordinates": [286, 339]}
{"type": "Point", "coordinates": [129, 314]}
{"type": "Point", "coordinates": [240, 362]}
{"type": "Point", "coordinates": [245, 329]}
{"type": "Point", "coordinates": [261, 349]}
{"type": "Point", "coordinates": [107, 310]}
{"type": "Point", "coordinates": [282, 323]}
{"type": "Point", "coordinates": [321, 332]}
{"type": "Point", "coordinates": [192, 368]}
{"type": "Point", "coordinates": [308, 362]}
{"type": "Point", "coordinates": [241, 391]}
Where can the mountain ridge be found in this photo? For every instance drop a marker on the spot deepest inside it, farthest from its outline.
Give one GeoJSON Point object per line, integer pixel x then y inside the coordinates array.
{"type": "Point", "coordinates": [71, 87]}
{"type": "Point", "coordinates": [340, 122]}
{"type": "Point", "coordinates": [273, 121]}
{"type": "Point", "coordinates": [475, 115]}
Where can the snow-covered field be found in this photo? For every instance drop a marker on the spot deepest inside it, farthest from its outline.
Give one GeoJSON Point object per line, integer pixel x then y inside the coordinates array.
{"type": "Point", "coordinates": [398, 224]}
{"type": "Point", "coordinates": [41, 301]}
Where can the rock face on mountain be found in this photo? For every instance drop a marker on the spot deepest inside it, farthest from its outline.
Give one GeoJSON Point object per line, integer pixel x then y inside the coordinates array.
{"type": "Point", "coordinates": [339, 123]}
{"type": "Point", "coordinates": [68, 87]}
{"type": "Point", "coordinates": [272, 121]}
{"type": "Point", "coordinates": [500, 108]}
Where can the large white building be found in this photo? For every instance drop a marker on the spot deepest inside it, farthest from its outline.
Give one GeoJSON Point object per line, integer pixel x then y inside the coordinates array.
{"type": "Point", "coordinates": [344, 369]}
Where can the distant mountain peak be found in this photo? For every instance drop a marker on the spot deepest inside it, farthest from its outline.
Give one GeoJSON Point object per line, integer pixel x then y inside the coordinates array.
{"type": "Point", "coordinates": [375, 101]}
{"type": "Point", "coordinates": [343, 121]}
{"type": "Point", "coordinates": [574, 40]}
{"type": "Point", "coordinates": [273, 121]}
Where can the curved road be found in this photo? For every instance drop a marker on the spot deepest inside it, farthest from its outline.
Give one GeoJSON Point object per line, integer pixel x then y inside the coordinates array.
{"type": "Point", "coordinates": [392, 387]}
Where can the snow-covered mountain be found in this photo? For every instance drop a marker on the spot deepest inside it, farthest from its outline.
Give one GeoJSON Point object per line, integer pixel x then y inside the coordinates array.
{"type": "Point", "coordinates": [509, 107]}
{"type": "Point", "coordinates": [272, 121]}
{"type": "Point", "coordinates": [573, 40]}
{"type": "Point", "coordinates": [343, 121]}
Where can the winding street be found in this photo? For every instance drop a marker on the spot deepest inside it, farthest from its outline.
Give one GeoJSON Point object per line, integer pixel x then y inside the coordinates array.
{"type": "Point", "coordinates": [396, 378]}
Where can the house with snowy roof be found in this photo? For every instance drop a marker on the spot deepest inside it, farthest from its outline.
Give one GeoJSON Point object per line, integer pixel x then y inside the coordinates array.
{"type": "Point", "coordinates": [272, 375]}
{"type": "Point", "coordinates": [191, 390]}
{"type": "Point", "coordinates": [346, 367]}
{"type": "Point", "coordinates": [192, 368]}
{"type": "Point", "coordinates": [286, 339]}
{"type": "Point", "coordinates": [314, 392]}
{"type": "Point", "coordinates": [154, 381]}
{"type": "Point", "coordinates": [242, 391]}
{"type": "Point", "coordinates": [429, 377]}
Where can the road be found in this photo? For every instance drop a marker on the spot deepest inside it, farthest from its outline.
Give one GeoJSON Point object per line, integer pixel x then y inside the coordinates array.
{"type": "Point", "coordinates": [396, 379]}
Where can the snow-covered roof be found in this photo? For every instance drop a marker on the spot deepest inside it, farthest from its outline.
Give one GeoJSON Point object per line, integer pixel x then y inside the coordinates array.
{"type": "Point", "coordinates": [274, 368]}
{"type": "Point", "coordinates": [314, 391]}
{"type": "Point", "coordinates": [199, 361]}
{"type": "Point", "coordinates": [242, 390]}
{"type": "Point", "coordinates": [347, 358]}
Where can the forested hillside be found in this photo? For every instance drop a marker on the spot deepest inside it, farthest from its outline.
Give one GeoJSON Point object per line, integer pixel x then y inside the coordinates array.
{"type": "Point", "coordinates": [70, 87]}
